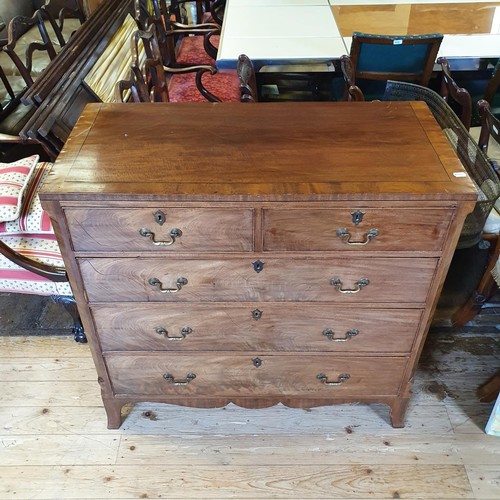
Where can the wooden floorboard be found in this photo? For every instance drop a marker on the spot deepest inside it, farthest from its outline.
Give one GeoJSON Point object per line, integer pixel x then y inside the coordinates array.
{"type": "Point", "coordinates": [54, 443]}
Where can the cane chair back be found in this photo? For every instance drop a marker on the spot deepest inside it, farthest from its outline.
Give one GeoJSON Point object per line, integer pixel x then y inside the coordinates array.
{"type": "Point", "coordinates": [474, 161]}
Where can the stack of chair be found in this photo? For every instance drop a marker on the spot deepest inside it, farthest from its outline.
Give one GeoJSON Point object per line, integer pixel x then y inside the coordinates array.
{"type": "Point", "coordinates": [180, 63]}
{"type": "Point", "coordinates": [153, 82]}
{"type": "Point", "coordinates": [25, 54]}
{"type": "Point", "coordinates": [187, 46]}
{"type": "Point", "coordinates": [182, 43]}
{"type": "Point", "coordinates": [31, 44]}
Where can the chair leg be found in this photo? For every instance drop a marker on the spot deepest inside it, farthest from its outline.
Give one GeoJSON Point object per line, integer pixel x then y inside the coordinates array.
{"type": "Point", "coordinates": [484, 290]}
{"type": "Point", "coordinates": [488, 391]}
{"type": "Point", "coordinates": [69, 304]}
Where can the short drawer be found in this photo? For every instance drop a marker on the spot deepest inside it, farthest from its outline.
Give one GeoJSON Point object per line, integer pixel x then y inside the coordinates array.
{"type": "Point", "coordinates": [369, 229]}
{"type": "Point", "coordinates": [346, 281]}
{"type": "Point", "coordinates": [255, 374]}
{"type": "Point", "coordinates": [254, 326]}
{"type": "Point", "coordinates": [165, 229]}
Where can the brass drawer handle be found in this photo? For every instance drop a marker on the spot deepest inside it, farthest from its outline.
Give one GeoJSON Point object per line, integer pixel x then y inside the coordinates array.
{"type": "Point", "coordinates": [171, 380]}
{"type": "Point", "coordinates": [328, 332]}
{"type": "Point", "coordinates": [174, 233]}
{"type": "Point", "coordinates": [324, 379]}
{"type": "Point", "coordinates": [346, 236]}
{"type": "Point", "coordinates": [361, 283]}
{"type": "Point", "coordinates": [158, 284]}
{"type": "Point", "coordinates": [162, 331]}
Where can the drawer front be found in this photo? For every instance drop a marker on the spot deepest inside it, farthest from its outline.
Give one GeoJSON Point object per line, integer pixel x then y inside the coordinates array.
{"type": "Point", "coordinates": [335, 229]}
{"type": "Point", "coordinates": [181, 229]}
{"type": "Point", "coordinates": [257, 326]}
{"type": "Point", "coordinates": [346, 281]}
{"type": "Point", "coordinates": [254, 375]}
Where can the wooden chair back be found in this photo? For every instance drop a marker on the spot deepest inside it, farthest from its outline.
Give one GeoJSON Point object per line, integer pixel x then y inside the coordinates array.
{"type": "Point", "coordinates": [490, 126]}
{"type": "Point", "coordinates": [23, 60]}
{"type": "Point", "coordinates": [457, 97]}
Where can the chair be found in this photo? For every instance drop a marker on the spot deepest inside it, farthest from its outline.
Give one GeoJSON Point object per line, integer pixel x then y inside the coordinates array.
{"type": "Point", "coordinates": [378, 58]}
{"type": "Point", "coordinates": [472, 241]}
{"type": "Point", "coordinates": [457, 97]}
{"type": "Point", "coordinates": [30, 259]}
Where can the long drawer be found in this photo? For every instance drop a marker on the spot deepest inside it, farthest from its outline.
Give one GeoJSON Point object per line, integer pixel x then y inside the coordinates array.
{"type": "Point", "coordinates": [254, 326]}
{"type": "Point", "coordinates": [356, 280]}
{"type": "Point", "coordinates": [370, 229]}
{"type": "Point", "coordinates": [167, 229]}
{"type": "Point", "coordinates": [255, 374]}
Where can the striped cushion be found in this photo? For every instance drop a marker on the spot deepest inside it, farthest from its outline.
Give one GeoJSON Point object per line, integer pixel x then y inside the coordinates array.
{"type": "Point", "coordinates": [14, 179]}
{"type": "Point", "coordinates": [42, 248]}
{"type": "Point", "coordinates": [31, 235]}
{"type": "Point", "coordinates": [32, 218]}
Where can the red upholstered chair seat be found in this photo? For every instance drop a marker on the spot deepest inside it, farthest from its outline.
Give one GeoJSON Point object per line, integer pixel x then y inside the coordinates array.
{"type": "Point", "coordinates": [225, 85]}
{"type": "Point", "coordinates": [192, 51]}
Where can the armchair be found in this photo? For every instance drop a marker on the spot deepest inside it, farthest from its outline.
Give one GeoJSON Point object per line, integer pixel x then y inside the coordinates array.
{"type": "Point", "coordinates": [30, 259]}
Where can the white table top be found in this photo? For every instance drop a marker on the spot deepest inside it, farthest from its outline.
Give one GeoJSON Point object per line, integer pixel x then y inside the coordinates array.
{"type": "Point", "coordinates": [279, 31]}
{"type": "Point", "coordinates": [270, 21]}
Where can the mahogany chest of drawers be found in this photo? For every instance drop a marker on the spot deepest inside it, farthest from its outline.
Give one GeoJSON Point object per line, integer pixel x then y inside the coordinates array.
{"type": "Point", "coordinates": [257, 253]}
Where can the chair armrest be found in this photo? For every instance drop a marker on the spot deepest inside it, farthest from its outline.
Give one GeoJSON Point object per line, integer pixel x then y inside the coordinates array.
{"type": "Point", "coordinates": [53, 273]}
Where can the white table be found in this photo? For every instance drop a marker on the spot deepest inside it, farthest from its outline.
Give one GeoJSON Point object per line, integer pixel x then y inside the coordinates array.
{"type": "Point", "coordinates": [279, 32]}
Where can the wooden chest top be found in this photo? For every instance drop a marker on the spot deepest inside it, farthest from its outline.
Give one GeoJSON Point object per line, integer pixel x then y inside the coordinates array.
{"type": "Point", "coordinates": [261, 152]}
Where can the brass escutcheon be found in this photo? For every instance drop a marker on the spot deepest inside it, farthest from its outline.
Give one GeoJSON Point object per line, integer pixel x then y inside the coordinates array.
{"type": "Point", "coordinates": [256, 314]}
